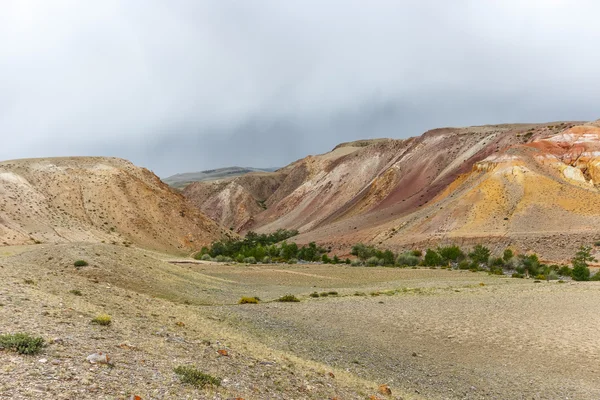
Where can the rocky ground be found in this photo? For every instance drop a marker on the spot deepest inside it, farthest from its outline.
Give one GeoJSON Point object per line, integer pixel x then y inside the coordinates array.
{"type": "Point", "coordinates": [426, 333]}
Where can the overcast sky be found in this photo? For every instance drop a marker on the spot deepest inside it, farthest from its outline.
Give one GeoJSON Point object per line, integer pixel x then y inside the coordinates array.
{"type": "Point", "coordinates": [180, 86]}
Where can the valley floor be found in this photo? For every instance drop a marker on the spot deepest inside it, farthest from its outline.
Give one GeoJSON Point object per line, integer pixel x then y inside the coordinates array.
{"type": "Point", "coordinates": [431, 334]}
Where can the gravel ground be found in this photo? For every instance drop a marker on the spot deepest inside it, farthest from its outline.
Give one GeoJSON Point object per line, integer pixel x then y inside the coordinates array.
{"type": "Point", "coordinates": [522, 341]}
{"type": "Point", "coordinates": [426, 333]}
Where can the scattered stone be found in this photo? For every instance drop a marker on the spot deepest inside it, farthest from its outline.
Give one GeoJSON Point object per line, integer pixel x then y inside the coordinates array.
{"type": "Point", "coordinates": [385, 390]}
{"type": "Point", "coordinates": [223, 353]}
{"type": "Point", "coordinates": [331, 375]}
{"type": "Point", "coordinates": [180, 324]}
{"type": "Point", "coordinates": [43, 360]}
{"type": "Point", "coordinates": [134, 397]}
{"type": "Point", "coordinates": [98, 358]}
{"type": "Point", "coordinates": [127, 346]}
{"type": "Point", "coordinates": [55, 362]}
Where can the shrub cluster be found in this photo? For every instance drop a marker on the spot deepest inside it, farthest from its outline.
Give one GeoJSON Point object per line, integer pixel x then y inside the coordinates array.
{"type": "Point", "coordinates": [22, 343]}
{"type": "Point", "coordinates": [249, 300]}
{"type": "Point", "coordinates": [102, 319]}
{"type": "Point", "coordinates": [479, 259]}
{"type": "Point", "coordinates": [266, 248]}
{"type": "Point", "coordinates": [195, 377]}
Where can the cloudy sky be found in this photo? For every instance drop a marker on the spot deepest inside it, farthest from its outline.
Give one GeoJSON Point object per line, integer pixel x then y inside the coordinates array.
{"type": "Point", "coordinates": [178, 85]}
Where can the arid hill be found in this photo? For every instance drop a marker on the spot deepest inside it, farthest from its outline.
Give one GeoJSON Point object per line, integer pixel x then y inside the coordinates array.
{"type": "Point", "coordinates": [532, 186]}
{"type": "Point", "coordinates": [93, 199]}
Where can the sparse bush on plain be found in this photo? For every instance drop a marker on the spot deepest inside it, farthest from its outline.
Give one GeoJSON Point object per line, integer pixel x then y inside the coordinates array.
{"type": "Point", "coordinates": [288, 298]}
{"type": "Point", "coordinates": [80, 263]}
{"type": "Point", "coordinates": [22, 343]}
{"type": "Point", "coordinates": [248, 300]}
{"type": "Point", "coordinates": [102, 319]}
{"type": "Point", "coordinates": [314, 294]}
{"type": "Point", "coordinates": [76, 292]}
{"type": "Point", "coordinates": [194, 377]}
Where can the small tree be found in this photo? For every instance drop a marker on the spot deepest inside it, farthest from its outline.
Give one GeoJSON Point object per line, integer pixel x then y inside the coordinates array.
{"type": "Point", "coordinates": [581, 270]}
{"type": "Point", "coordinates": [451, 254]}
{"type": "Point", "coordinates": [508, 255]}
{"type": "Point", "coordinates": [480, 254]}
{"type": "Point", "coordinates": [432, 258]}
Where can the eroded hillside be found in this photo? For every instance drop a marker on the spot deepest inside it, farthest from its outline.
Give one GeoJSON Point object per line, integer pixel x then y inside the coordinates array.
{"type": "Point", "coordinates": [93, 199]}
{"type": "Point", "coordinates": [533, 186]}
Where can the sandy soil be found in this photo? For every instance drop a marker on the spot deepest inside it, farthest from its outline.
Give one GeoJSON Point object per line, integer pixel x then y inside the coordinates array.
{"type": "Point", "coordinates": [426, 333]}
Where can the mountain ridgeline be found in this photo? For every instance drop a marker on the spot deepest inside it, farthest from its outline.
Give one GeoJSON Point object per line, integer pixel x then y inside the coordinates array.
{"type": "Point", "coordinates": [534, 187]}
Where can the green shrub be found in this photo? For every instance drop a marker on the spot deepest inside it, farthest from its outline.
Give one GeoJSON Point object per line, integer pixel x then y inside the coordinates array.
{"type": "Point", "coordinates": [552, 276]}
{"type": "Point", "coordinates": [266, 260]}
{"type": "Point", "coordinates": [581, 270]}
{"type": "Point", "coordinates": [372, 261]}
{"type": "Point", "coordinates": [508, 255]}
{"type": "Point", "coordinates": [480, 254]}
{"type": "Point", "coordinates": [29, 281]}
{"type": "Point", "coordinates": [432, 258]}
{"type": "Point", "coordinates": [451, 254]}
{"type": "Point", "coordinates": [348, 262]}
{"type": "Point", "coordinates": [407, 259]}
{"type": "Point", "coordinates": [205, 257]}
{"type": "Point", "coordinates": [497, 262]}
{"type": "Point", "coordinates": [324, 294]}
{"type": "Point", "coordinates": [196, 378]}
{"type": "Point", "coordinates": [464, 264]}
{"type": "Point", "coordinates": [332, 293]}
{"type": "Point", "coordinates": [417, 253]}
{"type": "Point", "coordinates": [250, 260]}
{"type": "Point", "coordinates": [288, 298]}
{"type": "Point", "coordinates": [356, 263]}
{"type": "Point", "coordinates": [102, 319]}
{"type": "Point", "coordinates": [76, 292]}
{"type": "Point", "coordinates": [248, 300]}
{"type": "Point", "coordinates": [293, 261]}
{"type": "Point", "coordinates": [518, 275]}
{"type": "Point", "coordinates": [496, 271]}
{"type": "Point", "coordinates": [22, 343]}
{"type": "Point", "coordinates": [596, 276]}
{"type": "Point", "coordinates": [540, 277]}
{"type": "Point", "coordinates": [80, 263]}
{"type": "Point", "coordinates": [314, 294]}
{"type": "Point", "coordinates": [220, 258]}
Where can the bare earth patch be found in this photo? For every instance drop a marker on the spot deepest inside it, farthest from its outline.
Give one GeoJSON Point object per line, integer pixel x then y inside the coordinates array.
{"type": "Point", "coordinates": [425, 333]}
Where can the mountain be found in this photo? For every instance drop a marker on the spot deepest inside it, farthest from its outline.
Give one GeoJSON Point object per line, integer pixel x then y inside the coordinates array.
{"type": "Point", "coordinates": [531, 186]}
{"type": "Point", "coordinates": [180, 181]}
{"type": "Point", "coordinates": [93, 199]}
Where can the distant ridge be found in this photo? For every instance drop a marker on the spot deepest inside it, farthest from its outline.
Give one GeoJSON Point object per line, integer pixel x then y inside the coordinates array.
{"type": "Point", "coordinates": [180, 181]}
